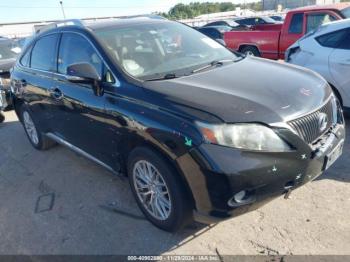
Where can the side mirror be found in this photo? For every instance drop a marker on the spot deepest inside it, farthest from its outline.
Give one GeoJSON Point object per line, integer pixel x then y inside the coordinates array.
{"type": "Point", "coordinates": [82, 72]}
{"type": "Point", "coordinates": [85, 73]}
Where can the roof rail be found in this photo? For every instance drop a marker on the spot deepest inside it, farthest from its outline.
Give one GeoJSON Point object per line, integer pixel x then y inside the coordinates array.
{"type": "Point", "coordinates": [44, 28]}
{"type": "Point", "coordinates": [145, 16]}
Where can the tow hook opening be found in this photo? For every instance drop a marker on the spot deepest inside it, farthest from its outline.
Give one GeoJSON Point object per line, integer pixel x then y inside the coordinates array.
{"type": "Point", "coordinates": [243, 197]}
{"type": "Point", "coordinates": [288, 188]}
{"type": "Point", "coordinates": [289, 185]}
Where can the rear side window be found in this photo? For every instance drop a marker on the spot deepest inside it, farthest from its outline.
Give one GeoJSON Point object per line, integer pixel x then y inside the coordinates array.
{"type": "Point", "coordinates": [346, 12]}
{"type": "Point", "coordinates": [332, 40]}
{"type": "Point", "coordinates": [296, 25]}
{"type": "Point", "coordinates": [83, 53]}
{"type": "Point", "coordinates": [25, 58]}
{"type": "Point", "coordinates": [315, 20]}
{"type": "Point", "coordinates": [345, 43]}
{"type": "Point", "coordinates": [44, 53]}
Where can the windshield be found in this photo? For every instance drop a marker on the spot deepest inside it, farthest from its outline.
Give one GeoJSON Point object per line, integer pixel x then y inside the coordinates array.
{"type": "Point", "coordinates": [6, 50]}
{"type": "Point", "coordinates": [269, 20]}
{"type": "Point", "coordinates": [147, 51]}
{"type": "Point", "coordinates": [346, 12]}
{"type": "Point", "coordinates": [232, 23]}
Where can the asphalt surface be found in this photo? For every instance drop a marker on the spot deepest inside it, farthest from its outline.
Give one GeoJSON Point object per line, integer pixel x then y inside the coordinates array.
{"type": "Point", "coordinates": [56, 202]}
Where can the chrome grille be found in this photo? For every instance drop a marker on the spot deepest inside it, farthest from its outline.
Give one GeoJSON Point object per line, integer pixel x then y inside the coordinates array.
{"type": "Point", "coordinates": [308, 127]}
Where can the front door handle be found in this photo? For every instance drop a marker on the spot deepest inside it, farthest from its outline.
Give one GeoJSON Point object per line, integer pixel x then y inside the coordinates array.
{"type": "Point", "coordinates": [56, 93]}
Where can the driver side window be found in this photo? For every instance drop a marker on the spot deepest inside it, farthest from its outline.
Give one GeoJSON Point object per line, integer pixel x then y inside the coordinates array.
{"type": "Point", "coordinates": [76, 49]}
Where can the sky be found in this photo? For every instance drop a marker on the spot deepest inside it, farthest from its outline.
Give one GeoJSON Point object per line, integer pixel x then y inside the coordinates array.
{"type": "Point", "coordinates": [37, 10]}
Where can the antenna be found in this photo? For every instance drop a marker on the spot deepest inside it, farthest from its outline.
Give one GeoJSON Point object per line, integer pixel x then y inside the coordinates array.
{"type": "Point", "coordinates": [62, 8]}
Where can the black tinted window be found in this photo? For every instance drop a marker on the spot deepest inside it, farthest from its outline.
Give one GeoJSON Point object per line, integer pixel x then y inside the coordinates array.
{"type": "Point", "coordinates": [44, 53]}
{"type": "Point", "coordinates": [216, 23]}
{"type": "Point", "coordinates": [211, 32]}
{"type": "Point", "coordinates": [296, 25]}
{"type": "Point", "coordinates": [260, 21]}
{"type": "Point", "coordinates": [333, 40]}
{"type": "Point", "coordinates": [83, 53]}
{"type": "Point", "coordinates": [245, 21]}
{"type": "Point", "coordinates": [345, 43]}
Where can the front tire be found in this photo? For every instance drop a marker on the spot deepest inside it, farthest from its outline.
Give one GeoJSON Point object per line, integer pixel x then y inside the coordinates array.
{"type": "Point", "coordinates": [36, 137]}
{"type": "Point", "coordinates": [158, 191]}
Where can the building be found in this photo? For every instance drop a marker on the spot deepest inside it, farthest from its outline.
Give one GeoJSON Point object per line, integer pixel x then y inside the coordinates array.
{"type": "Point", "coordinates": [290, 4]}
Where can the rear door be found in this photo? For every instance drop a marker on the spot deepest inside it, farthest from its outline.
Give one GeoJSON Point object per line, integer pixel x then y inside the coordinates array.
{"type": "Point", "coordinates": [34, 78]}
{"type": "Point", "coordinates": [339, 66]}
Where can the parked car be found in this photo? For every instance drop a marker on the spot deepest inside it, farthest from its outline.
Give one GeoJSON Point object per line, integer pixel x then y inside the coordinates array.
{"type": "Point", "coordinates": [271, 41]}
{"type": "Point", "coordinates": [197, 135]}
{"type": "Point", "coordinates": [224, 24]}
{"type": "Point", "coordinates": [221, 28]}
{"type": "Point", "coordinates": [213, 33]}
{"type": "Point", "coordinates": [255, 20]}
{"type": "Point", "coordinates": [327, 52]}
{"type": "Point", "coordinates": [7, 61]}
{"type": "Point", "coordinates": [277, 18]}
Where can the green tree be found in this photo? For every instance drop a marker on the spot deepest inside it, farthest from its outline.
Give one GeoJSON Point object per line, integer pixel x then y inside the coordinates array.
{"type": "Point", "coordinates": [193, 9]}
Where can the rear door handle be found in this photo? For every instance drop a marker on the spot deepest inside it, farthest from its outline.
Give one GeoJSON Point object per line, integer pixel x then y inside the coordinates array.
{"type": "Point", "coordinates": [56, 93]}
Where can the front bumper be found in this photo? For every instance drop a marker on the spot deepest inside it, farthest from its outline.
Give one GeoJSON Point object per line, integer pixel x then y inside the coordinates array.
{"type": "Point", "coordinates": [216, 173]}
{"type": "Point", "coordinates": [5, 98]}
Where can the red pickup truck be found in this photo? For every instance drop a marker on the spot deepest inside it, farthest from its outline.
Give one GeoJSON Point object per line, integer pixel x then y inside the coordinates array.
{"type": "Point", "coordinates": [271, 41]}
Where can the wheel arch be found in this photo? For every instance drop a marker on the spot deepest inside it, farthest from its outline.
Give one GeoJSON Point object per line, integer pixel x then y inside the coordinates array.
{"type": "Point", "coordinates": [242, 46]}
{"type": "Point", "coordinates": [337, 93]}
{"type": "Point", "coordinates": [165, 154]}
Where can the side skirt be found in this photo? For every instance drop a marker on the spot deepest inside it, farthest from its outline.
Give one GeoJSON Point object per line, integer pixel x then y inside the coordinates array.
{"type": "Point", "coordinates": [80, 152]}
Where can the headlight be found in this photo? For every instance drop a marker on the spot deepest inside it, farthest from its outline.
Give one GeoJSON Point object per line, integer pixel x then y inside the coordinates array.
{"type": "Point", "coordinates": [244, 136]}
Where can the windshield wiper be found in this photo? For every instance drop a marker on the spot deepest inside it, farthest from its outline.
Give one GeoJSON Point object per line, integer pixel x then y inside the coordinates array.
{"type": "Point", "coordinates": [164, 77]}
{"type": "Point", "coordinates": [212, 64]}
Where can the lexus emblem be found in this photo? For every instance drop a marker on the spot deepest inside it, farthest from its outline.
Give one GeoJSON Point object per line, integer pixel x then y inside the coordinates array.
{"type": "Point", "coordinates": [322, 121]}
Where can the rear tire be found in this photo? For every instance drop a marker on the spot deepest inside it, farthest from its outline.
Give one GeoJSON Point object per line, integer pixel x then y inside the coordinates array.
{"type": "Point", "coordinates": [158, 191]}
{"type": "Point", "coordinates": [251, 51]}
{"type": "Point", "coordinates": [2, 118]}
{"type": "Point", "coordinates": [36, 137]}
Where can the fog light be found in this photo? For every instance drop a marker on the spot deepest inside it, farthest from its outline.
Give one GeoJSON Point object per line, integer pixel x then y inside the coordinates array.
{"type": "Point", "coordinates": [239, 196]}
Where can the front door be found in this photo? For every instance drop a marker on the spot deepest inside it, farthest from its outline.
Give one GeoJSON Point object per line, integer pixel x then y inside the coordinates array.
{"type": "Point", "coordinates": [79, 113]}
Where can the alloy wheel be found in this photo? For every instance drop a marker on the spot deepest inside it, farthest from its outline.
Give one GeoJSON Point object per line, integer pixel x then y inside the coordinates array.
{"type": "Point", "coordinates": [152, 190]}
{"type": "Point", "coordinates": [30, 128]}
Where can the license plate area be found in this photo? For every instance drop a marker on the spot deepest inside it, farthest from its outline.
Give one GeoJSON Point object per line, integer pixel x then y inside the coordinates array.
{"type": "Point", "coordinates": [334, 155]}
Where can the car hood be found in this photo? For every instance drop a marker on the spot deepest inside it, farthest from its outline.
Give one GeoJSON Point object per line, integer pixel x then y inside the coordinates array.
{"type": "Point", "coordinates": [7, 64]}
{"type": "Point", "coordinates": [251, 90]}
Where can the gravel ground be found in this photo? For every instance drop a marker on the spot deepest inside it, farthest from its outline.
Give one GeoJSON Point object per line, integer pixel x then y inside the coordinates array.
{"type": "Point", "coordinates": [56, 202]}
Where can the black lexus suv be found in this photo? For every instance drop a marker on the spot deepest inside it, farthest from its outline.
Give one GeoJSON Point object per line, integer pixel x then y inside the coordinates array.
{"type": "Point", "coordinates": [201, 132]}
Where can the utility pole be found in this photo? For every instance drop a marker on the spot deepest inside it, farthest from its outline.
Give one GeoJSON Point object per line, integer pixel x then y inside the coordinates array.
{"type": "Point", "coordinates": [64, 15]}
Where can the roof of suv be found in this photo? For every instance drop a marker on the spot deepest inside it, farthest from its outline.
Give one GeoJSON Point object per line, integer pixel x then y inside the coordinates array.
{"type": "Point", "coordinates": [94, 25]}
{"type": "Point", "coordinates": [123, 21]}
